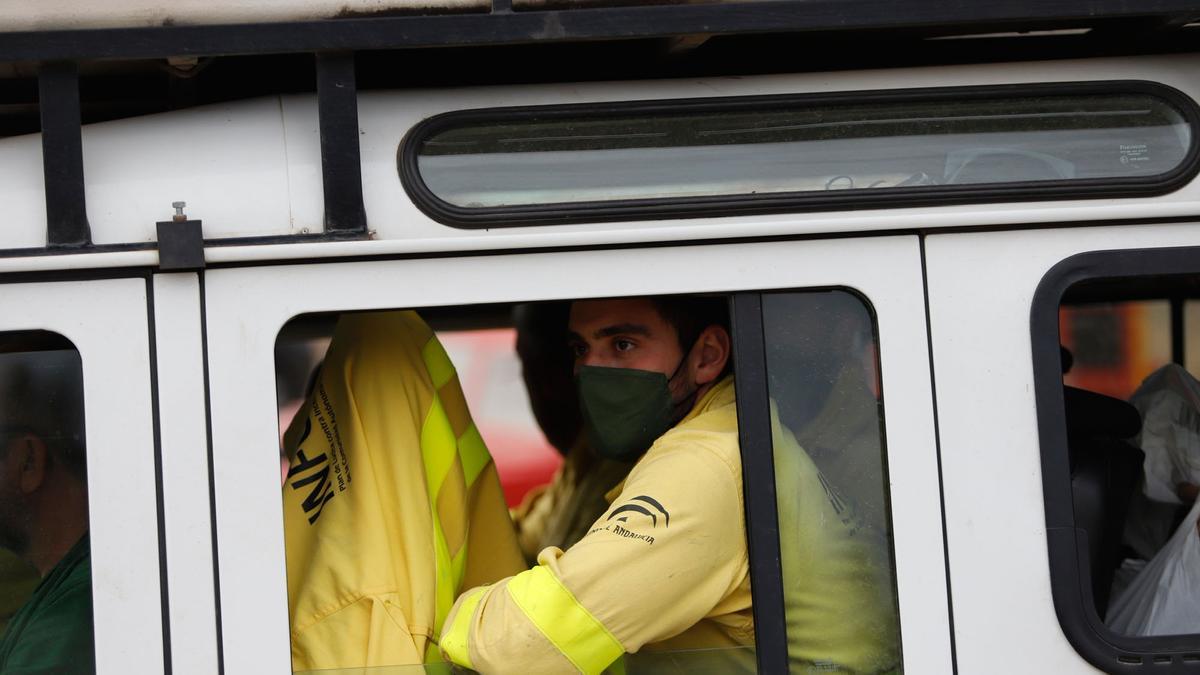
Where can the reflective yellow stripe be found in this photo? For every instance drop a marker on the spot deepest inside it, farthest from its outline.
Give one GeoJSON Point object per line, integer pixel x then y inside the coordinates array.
{"type": "Point", "coordinates": [438, 448]}
{"type": "Point", "coordinates": [473, 454]}
{"type": "Point", "coordinates": [446, 585]}
{"type": "Point", "coordinates": [454, 640]}
{"type": "Point", "coordinates": [616, 667]}
{"type": "Point", "coordinates": [558, 615]}
{"type": "Point", "coordinates": [437, 362]}
{"type": "Point", "coordinates": [459, 565]}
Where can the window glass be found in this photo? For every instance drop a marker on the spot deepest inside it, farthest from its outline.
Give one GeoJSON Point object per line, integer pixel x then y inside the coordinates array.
{"type": "Point", "coordinates": [831, 478]}
{"type": "Point", "coordinates": [1115, 345]}
{"type": "Point", "coordinates": [773, 147]}
{"type": "Point", "coordinates": [1191, 334]}
{"type": "Point", "coordinates": [45, 563]}
{"type": "Point", "coordinates": [1133, 444]}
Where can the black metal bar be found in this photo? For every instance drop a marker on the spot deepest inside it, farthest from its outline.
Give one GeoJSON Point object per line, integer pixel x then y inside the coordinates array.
{"type": "Point", "coordinates": [752, 16]}
{"type": "Point", "coordinates": [62, 156]}
{"type": "Point", "coordinates": [1178, 347]}
{"type": "Point", "coordinates": [758, 481]}
{"type": "Point", "coordinates": [341, 165]}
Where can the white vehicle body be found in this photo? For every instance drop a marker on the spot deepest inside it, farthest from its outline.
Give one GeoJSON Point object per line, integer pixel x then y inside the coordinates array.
{"type": "Point", "coordinates": [180, 381]}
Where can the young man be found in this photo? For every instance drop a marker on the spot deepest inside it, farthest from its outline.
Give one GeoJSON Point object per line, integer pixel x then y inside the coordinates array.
{"type": "Point", "coordinates": [666, 567]}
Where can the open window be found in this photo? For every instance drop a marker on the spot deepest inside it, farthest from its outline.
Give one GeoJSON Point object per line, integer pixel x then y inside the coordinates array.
{"type": "Point", "coordinates": [502, 377]}
{"type": "Point", "coordinates": [1119, 418]}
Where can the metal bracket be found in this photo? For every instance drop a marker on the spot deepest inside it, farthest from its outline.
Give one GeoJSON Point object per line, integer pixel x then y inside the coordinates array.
{"type": "Point", "coordinates": [180, 242]}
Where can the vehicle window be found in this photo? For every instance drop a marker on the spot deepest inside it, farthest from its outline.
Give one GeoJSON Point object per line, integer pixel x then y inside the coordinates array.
{"type": "Point", "coordinates": [1133, 424]}
{"type": "Point", "coordinates": [831, 473]}
{"type": "Point", "coordinates": [45, 563]}
{"type": "Point", "coordinates": [1127, 453]}
{"type": "Point", "coordinates": [498, 160]}
{"type": "Point", "coordinates": [427, 412]}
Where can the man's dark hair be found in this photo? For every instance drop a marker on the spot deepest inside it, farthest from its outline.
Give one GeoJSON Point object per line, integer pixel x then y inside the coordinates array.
{"type": "Point", "coordinates": [689, 315]}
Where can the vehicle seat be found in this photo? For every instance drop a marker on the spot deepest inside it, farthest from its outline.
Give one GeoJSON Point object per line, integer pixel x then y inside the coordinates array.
{"type": "Point", "coordinates": [1105, 471]}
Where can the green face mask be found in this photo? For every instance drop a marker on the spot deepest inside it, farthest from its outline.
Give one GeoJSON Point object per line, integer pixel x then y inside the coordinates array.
{"type": "Point", "coordinates": [625, 410]}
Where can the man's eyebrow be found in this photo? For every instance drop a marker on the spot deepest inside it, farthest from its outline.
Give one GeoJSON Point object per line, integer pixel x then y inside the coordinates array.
{"type": "Point", "coordinates": [622, 329]}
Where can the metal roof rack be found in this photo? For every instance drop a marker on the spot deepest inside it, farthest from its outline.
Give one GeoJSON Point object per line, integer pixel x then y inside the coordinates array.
{"type": "Point", "coordinates": [335, 40]}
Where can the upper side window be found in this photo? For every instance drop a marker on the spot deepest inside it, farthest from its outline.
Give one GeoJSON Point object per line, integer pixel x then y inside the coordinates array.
{"type": "Point", "coordinates": [1121, 457]}
{"type": "Point", "coordinates": [45, 560]}
{"type": "Point", "coordinates": [552, 162]}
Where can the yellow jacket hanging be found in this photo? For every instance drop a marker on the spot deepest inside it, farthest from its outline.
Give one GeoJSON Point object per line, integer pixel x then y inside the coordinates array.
{"type": "Point", "coordinates": [391, 502]}
{"type": "Point", "coordinates": [666, 567]}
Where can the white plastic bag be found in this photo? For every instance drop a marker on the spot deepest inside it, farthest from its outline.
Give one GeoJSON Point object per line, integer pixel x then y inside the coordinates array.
{"type": "Point", "coordinates": [1164, 599]}
{"type": "Point", "coordinates": [1169, 402]}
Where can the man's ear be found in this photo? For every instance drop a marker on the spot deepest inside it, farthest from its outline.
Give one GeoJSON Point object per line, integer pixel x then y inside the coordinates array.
{"type": "Point", "coordinates": [30, 462]}
{"type": "Point", "coordinates": [712, 352]}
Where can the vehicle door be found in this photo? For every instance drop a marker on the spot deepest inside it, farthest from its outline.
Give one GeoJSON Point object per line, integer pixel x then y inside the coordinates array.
{"type": "Point", "coordinates": [89, 339]}
{"type": "Point", "coordinates": [779, 293]}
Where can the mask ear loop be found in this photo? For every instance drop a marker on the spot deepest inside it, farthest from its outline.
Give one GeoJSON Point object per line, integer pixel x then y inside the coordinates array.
{"type": "Point", "coordinates": [681, 410]}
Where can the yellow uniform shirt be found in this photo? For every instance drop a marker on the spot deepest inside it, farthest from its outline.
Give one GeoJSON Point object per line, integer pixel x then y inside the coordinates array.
{"type": "Point", "coordinates": [666, 566]}
{"type": "Point", "coordinates": [391, 503]}
{"type": "Point", "coordinates": [561, 513]}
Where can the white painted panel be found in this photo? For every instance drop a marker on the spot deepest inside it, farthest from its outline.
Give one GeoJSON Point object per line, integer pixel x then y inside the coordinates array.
{"type": "Point", "coordinates": [106, 321]}
{"type": "Point", "coordinates": [247, 307]}
{"type": "Point", "coordinates": [227, 161]}
{"type": "Point", "coordinates": [187, 517]}
{"type": "Point", "coordinates": [387, 116]}
{"type": "Point", "coordinates": [302, 135]}
{"type": "Point", "coordinates": [23, 192]}
{"type": "Point", "coordinates": [980, 292]}
{"type": "Point", "coordinates": [252, 168]}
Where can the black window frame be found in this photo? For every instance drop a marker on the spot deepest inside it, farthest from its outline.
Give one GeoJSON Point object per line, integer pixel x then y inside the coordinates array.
{"type": "Point", "coordinates": [1077, 615]}
{"type": "Point", "coordinates": [794, 202]}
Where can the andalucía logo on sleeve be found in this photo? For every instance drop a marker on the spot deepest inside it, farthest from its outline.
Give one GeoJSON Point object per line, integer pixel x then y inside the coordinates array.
{"type": "Point", "coordinates": [643, 510]}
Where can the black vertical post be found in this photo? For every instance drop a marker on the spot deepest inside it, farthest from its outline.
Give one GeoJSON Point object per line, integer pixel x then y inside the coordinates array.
{"type": "Point", "coordinates": [62, 155]}
{"type": "Point", "coordinates": [1178, 347]}
{"type": "Point", "coordinates": [341, 166]}
{"type": "Point", "coordinates": [758, 482]}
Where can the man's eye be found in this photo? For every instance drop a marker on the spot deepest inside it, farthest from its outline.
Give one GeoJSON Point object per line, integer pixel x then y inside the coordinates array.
{"type": "Point", "coordinates": [623, 345]}
{"type": "Point", "coordinates": [578, 349]}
